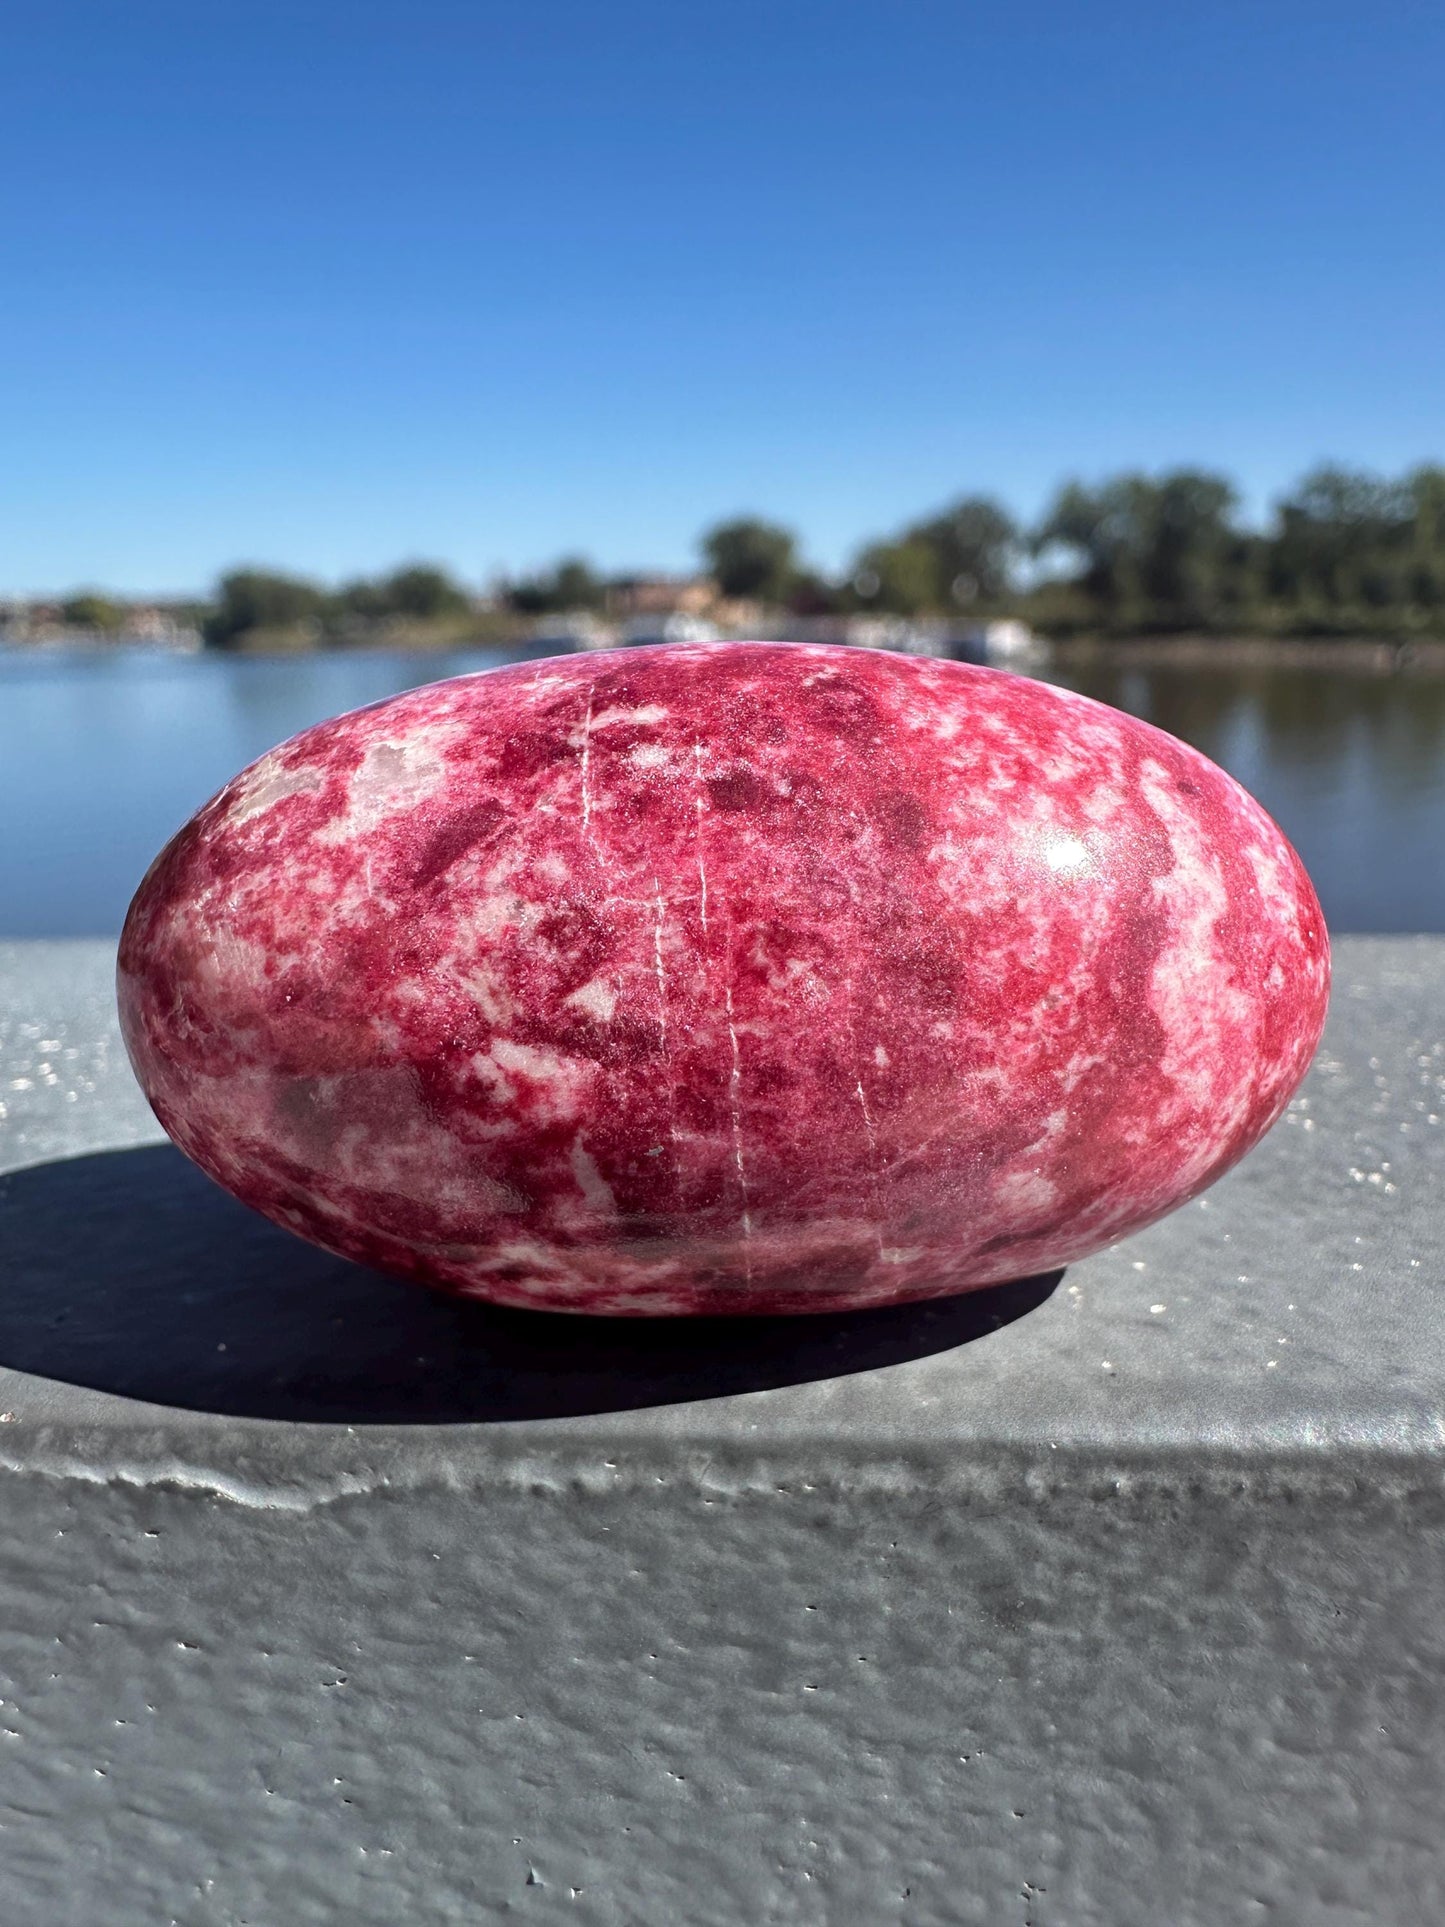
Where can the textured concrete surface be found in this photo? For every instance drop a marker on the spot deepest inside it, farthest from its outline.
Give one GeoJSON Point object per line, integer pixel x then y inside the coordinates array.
{"type": "Point", "coordinates": [1109, 1599]}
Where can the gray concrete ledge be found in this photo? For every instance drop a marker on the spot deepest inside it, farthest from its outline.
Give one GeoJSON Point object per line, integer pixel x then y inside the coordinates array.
{"type": "Point", "coordinates": [1112, 1599]}
{"type": "Point", "coordinates": [1293, 1315]}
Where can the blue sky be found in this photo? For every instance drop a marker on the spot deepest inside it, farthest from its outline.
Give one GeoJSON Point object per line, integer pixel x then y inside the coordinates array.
{"type": "Point", "coordinates": [330, 285]}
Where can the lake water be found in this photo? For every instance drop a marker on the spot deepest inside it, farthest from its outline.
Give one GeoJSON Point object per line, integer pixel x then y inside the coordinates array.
{"type": "Point", "coordinates": [101, 758]}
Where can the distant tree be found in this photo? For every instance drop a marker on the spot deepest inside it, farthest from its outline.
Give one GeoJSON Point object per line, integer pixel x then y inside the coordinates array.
{"type": "Point", "coordinates": [900, 578]}
{"type": "Point", "coordinates": [812, 594]}
{"type": "Point", "coordinates": [1153, 552]}
{"type": "Point", "coordinates": [91, 611]}
{"type": "Point", "coordinates": [576, 584]}
{"type": "Point", "coordinates": [975, 545]}
{"type": "Point", "coordinates": [532, 596]}
{"type": "Point", "coordinates": [419, 590]}
{"type": "Point", "coordinates": [424, 591]}
{"type": "Point", "coordinates": [962, 557]}
{"type": "Point", "coordinates": [571, 584]}
{"type": "Point", "coordinates": [1426, 492]}
{"type": "Point", "coordinates": [363, 598]}
{"type": "Point", "coordinates": [248, 599]}
{"type": "Point", "coordinates": [752, 560]}
{"type": "Point", "coordinates": [1343, 540]}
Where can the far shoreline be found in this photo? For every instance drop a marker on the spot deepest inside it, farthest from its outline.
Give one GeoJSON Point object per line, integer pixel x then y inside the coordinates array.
{"type": "Point", "coordinates": [1350, 655]}
{"type": "Point", "coordinates": [1364, 656]}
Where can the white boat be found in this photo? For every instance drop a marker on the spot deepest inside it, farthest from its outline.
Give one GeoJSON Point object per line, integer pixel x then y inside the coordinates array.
{"type": "Point", "coordinates": [1008, 644]}
{"type": "Point", "coordinates": [674, 628]}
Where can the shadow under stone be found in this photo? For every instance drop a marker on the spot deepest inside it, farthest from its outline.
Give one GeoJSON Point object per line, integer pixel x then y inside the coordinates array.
{"type": "Point", "coordinates": [131, 1273]}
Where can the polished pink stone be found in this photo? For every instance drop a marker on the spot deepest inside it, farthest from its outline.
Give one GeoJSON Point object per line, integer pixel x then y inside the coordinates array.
{"type": "Point", "coordinates": [737, 977]}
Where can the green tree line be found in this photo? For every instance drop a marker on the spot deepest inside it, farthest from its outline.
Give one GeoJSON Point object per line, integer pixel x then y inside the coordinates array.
{"type": "Point", "coordinates": [248, 600]}
{"type": "Point", "coordinates": [1344, 552]}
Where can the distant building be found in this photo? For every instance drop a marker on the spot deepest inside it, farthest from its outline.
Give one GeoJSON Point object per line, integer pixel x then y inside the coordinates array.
{"type": "Point", "coordinates": [149, 623]}
{"type": "Point", "coordinates": [659, 595]}
{"type": "Point", "coordinates": [59, 626]}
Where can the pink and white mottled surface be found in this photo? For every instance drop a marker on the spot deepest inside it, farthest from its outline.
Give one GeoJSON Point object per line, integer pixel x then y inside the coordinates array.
{"type": "Point", "coordinates": [739, 977]}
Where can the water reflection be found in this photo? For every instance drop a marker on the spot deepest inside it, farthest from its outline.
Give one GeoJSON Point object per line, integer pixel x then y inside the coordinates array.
{"type": "Point", "coordinates": [102, 758]}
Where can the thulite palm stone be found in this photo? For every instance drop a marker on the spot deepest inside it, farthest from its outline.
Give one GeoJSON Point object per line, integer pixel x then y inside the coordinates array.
{"type": "Point", "coordinates": [741, 977]}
